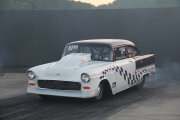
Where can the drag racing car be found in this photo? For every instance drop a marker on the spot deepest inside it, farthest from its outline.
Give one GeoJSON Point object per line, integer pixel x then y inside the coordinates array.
{"type": "Point", "coordinates": [91, 69]}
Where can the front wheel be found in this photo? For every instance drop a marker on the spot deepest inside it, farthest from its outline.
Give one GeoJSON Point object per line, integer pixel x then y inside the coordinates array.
{"type": "Point", "coordinates": [100, 92]}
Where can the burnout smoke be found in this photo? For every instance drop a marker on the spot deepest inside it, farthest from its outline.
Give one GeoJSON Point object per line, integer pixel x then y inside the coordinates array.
{"type": "Point", "coordinates": [168, 72]}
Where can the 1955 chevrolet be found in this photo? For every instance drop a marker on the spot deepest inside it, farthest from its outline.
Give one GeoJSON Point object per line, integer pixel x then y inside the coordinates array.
{"type": "Point", "coordinates": [92, 68]}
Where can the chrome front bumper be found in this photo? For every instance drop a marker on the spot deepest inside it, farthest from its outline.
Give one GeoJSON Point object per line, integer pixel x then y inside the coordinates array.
{"type": "Point", "coordinates": [65, 93]}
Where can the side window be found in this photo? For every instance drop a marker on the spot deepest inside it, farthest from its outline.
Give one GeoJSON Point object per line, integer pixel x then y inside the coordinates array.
{"type": "Point", "coordinates": [120, 53]}
{"type": "Point", "coordinates": [131, 51]}
{"type": "Point", "coordinates": [85, 49]}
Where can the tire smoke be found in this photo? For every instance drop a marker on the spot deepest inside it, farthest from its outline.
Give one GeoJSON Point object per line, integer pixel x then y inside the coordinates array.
{"type": "Point", "coordinates": [168, 72]}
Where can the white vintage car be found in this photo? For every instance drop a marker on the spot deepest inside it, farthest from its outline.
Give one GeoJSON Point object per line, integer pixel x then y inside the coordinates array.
{"type": "Point", "coordinates": [91, 68]}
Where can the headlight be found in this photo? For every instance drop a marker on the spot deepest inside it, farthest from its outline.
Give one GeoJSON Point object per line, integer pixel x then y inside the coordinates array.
{"type": "Point", "coordinates": [31, 75]}
{"type": "Point", "coordinates": [85, 77]}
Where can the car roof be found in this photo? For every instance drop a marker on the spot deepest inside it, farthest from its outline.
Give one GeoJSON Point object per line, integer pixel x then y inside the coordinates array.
{"type": "Point", "coordinates": [107, 42]}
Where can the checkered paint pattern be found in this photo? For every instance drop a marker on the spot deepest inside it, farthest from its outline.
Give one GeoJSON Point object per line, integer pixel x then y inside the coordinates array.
{"type": "Point", "coordinates": [131, 79]}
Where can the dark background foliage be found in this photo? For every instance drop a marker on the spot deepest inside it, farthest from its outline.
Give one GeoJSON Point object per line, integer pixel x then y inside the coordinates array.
{"type": "Point", "coordinates": [70, 4]}
{"type": "Point", "coordinates": [34, 32]}
{"type": "Point", "coordinates": [29, 38]}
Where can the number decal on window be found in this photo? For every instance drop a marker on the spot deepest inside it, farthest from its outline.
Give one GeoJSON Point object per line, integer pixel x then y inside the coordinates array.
{"type": "Point", "coordinates": [72, 47]}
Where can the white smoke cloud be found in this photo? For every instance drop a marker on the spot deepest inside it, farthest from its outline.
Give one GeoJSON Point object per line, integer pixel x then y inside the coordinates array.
{"type": "Point", "coordinates": [168, 72]}
{"type": "Point", "coordinates": [96, 2]}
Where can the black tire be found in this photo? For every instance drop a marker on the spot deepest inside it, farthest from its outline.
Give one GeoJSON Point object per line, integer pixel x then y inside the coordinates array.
{"type": "Point", "coordinates": [44, 96]}
{"type": "Point", "coordinates": [100, 92]}
{"type": "Point", "coordinates": [141, 84]}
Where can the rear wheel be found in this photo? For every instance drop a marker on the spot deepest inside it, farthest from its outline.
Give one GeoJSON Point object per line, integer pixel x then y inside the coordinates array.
{"type": "Point", "coordinates": [141, 84]}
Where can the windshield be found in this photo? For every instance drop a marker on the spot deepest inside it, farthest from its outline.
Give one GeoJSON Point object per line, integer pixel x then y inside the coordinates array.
{"type": "Point", "coordinates": [98, 52]}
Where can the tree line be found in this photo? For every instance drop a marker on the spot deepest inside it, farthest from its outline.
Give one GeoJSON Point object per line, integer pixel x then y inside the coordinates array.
{"type": "Point", "coordinates": [69, 4]}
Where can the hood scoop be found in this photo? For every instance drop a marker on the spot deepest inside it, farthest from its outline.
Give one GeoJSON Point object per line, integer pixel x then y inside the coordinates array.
{"type": "Point", "coordinates": [74, 60]}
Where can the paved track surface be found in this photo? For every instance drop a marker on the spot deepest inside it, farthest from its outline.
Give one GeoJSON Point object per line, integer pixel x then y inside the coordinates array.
{"type": "Point", "coordinates": [158, 100]}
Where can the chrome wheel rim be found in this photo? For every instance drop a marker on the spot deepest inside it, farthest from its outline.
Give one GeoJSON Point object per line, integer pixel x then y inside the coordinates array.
{"type": "Point", "coordinates": [98, 90]}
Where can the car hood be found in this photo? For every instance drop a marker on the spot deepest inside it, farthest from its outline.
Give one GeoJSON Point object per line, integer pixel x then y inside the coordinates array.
{"type": "Point", "coordinates": [71, 66]}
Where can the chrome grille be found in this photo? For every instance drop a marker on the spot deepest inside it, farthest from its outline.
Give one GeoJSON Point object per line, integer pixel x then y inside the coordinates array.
{"type": "Point", "coordinates": [60, 85]}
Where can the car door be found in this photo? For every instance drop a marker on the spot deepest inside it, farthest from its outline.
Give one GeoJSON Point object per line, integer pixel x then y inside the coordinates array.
{"type": "Point", "coordinates": [125, 68]}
